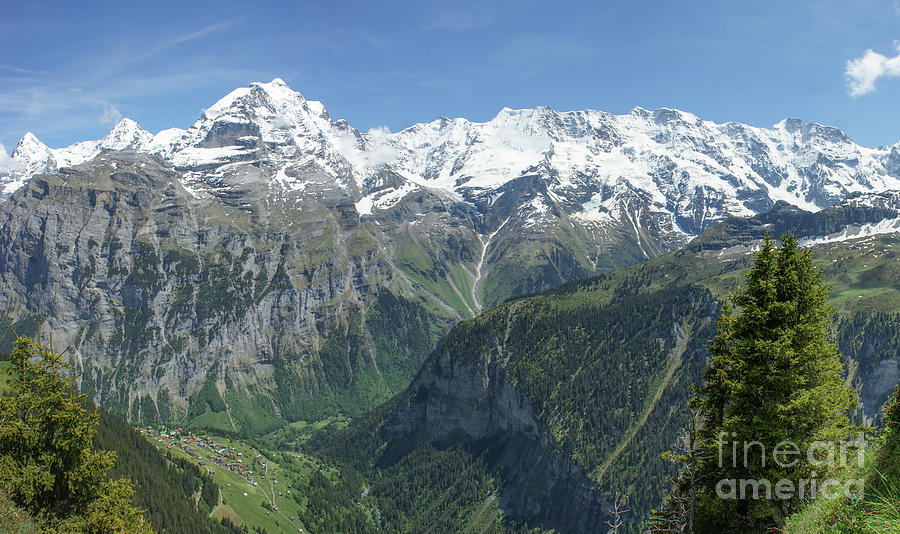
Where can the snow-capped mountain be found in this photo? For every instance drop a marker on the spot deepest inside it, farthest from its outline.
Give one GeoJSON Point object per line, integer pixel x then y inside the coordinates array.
{"type": "Point", "coordinates": [691, 171]}
{"type": "Point", "coordinates": [688, 173]}
{"type": "Point", "coordinates": [269, 236]}
{"type": "Point", "coordinates": [37, 158]}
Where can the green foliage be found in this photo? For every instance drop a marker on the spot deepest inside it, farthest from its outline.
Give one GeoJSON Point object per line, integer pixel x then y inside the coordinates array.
{"type": "Point", "coordinates": [775, 376]}
{"type": "Point", "coordinates": [877, 512]}
{"type": "Point", "coordinates": [431, 490]}
{"type": "Point", "coordinates": [47, 465]}
{"type": "Point", "coordinates": [207, 398]}
{"type": "Point", "coordinates": [331, 506]}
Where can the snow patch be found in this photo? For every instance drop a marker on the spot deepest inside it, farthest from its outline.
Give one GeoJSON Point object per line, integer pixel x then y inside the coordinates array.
{"type": "Point", "coordinates": [885, 226]}
{"type": "Point", "coordinates": [383, 199]}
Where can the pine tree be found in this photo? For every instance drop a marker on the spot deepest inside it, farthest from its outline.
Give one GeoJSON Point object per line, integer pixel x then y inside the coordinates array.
{"type": "Point", "coordinates": [47, 465]}
{"type": "Point", "coordinates": [775, 377]}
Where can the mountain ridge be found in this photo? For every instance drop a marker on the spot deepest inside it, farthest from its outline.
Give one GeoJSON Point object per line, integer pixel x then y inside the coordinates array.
{"type": "Point", "coordinates": [444, 154]}
{"type": "Point", "coordinates": [270, 250]}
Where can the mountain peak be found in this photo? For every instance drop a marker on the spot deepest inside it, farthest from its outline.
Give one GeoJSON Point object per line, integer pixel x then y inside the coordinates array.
{"type": "Point", "coordinates": [638, 111]}
{"type": "Point", "coordinates": [276, 95]}
{"type": "Point", "coordinates": [32, 157]}
{"type": "Point", "coordinates": [275, 82]}
{"type": "Point", "coordinates": [28, 139]}
{"type": "Point", "coordinates": [279, 93]}
{"type": "Point", "coordinates": [28, 146]}
{"type": "Point", "coordinates": [126, 134]}
{"type": "Point", "coordinates": [808, 130]}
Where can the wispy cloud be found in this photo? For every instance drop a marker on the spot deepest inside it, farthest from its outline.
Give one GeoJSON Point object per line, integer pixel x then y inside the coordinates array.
{"type": "Point", "coordinates": [110, 115]}
{"type": "Point", "coordinates": [864, 71]}
{"type": "Point", "coordinates": [181, 39]}
{"type": "Point", "coordinates": [7, 164]}
{"type": "Point", "coordinates": [127, 57]}
{"type": "Point", "coordinates": [100, 89]}
{"type": "Point", "coordinates": [20, 70]}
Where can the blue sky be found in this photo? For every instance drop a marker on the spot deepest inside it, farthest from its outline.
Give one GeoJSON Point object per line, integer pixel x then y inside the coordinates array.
{"type": "Point", "coordinates": [68, 70]}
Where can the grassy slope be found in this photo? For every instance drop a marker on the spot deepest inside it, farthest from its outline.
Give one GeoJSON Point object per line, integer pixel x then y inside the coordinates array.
{"type": "Point", "coordinates": [878, 509]}
{"type": "Point", "coordinates": [864, 273]}
{"type": "Point", "coordinates": [248, 508]}
{"type": "Point", "coordinates": [14, 520]}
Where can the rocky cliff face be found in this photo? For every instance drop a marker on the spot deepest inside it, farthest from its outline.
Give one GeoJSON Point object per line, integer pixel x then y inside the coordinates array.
{"type": "Point", "coordinates": [272, 250]}
{"type": "Point", "coordinates": [570, 397]}
{"type": "Point", "coordinates": [870, 342]}
{"type": "Point", "coordinates": [157, 290]}
{"type": "Point", "coordinates": [472, 404]}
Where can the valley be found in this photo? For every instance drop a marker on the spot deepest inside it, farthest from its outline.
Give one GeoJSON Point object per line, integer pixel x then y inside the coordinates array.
{"type": "Point", "coordinates": [270, 250]}
{"type": "Point", "coordinates": [471, 267]}
{"type": "Point", "coordinates": [553, 375]}
{"type": "Point", "coordinates": [486, 326]}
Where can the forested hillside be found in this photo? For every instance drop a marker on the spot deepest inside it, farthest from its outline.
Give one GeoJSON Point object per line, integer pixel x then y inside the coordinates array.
{"type": "Point", "coordinates": [598, 370]}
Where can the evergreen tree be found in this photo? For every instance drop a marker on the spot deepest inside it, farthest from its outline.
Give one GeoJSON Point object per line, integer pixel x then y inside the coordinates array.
{"type": "Point", "coordinates": [47, 465]}
{"type": "Point", "coordinates": [775, 377]}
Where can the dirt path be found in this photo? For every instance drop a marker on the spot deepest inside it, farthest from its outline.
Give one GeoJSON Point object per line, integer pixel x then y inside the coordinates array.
{"type": "Point", "coordinates": [217, 506]}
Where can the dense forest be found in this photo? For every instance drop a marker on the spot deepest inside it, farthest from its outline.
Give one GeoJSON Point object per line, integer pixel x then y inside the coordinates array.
{"type": "Point", "coordinates": [566, 353]}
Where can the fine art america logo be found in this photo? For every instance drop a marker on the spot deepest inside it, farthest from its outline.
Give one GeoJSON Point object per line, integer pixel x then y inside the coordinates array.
{"type": "Point", "coordinates": [822, 456]}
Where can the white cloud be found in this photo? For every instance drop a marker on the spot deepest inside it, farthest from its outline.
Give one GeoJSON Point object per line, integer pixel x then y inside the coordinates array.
{"type": "Point", "coordinates": [375, 148]}
{"type": "Point", "coordinates": [864, 71]}
{"type": "Point", "coordinates": [379, 132]}
{"type": "Point", "coordinates": [7, 164]}
{"type": "Point", "coordinates": [110, 115]}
